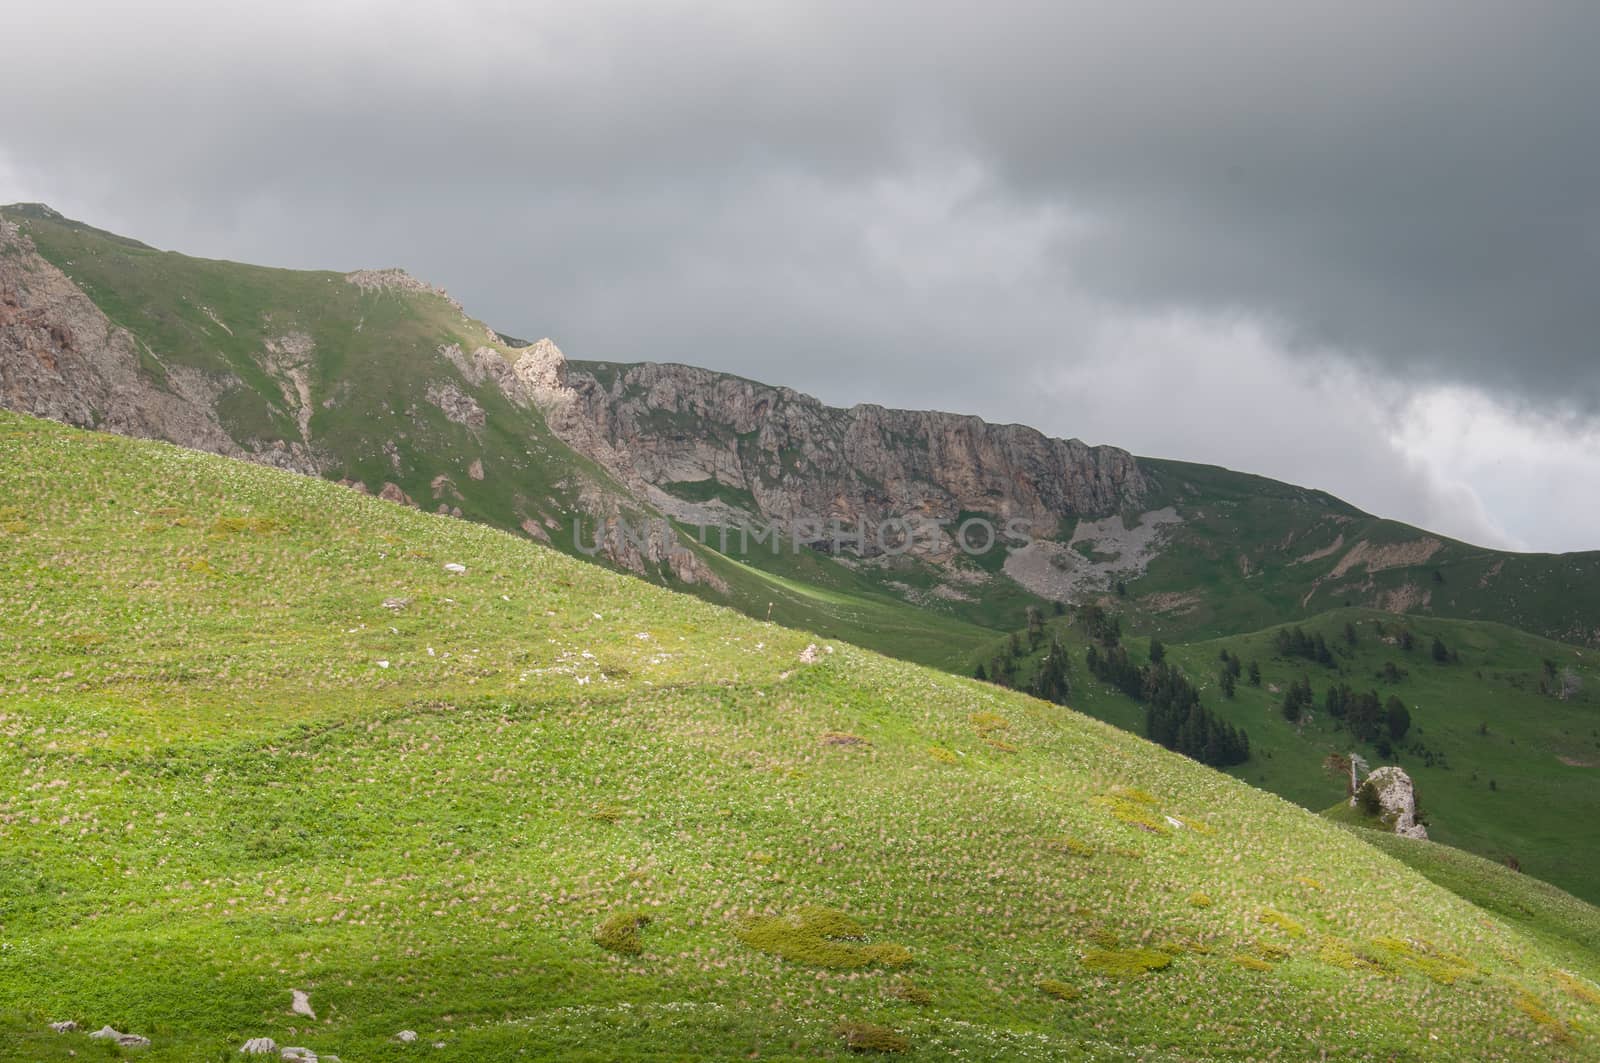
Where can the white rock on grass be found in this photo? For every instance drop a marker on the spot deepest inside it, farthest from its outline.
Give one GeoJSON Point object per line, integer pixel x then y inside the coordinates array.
{"type": "Point", "coordinates": [301, 1004]}
{"type": "Point", "coordinates": [299, 1055]}
{"type": "Point", "coordinates": [126, 1040]}
{"type": "Point", "coordinates": [64, 1027]}
{"type": "Point", "coordinates": [259, 1046]}
{"type": "Point", "coordinates": [451, 566]}
{"type": "Point", "coordinates": [809, 654]}
{"type": "Point", "coordinates": [405, 1037]}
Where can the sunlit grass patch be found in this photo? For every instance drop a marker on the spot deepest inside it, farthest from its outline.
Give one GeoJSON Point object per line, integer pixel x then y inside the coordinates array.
{"type": "Point", "coordinates": [1199, 900]}
{"type": "Point", "coordinates": [943, 755]}
{"type": "Point", "coordinates": [1251, 963]}
{"type": "Point", "coordinates": [820, 937]}
{"type": "Point", "coordinates": [619, 932]}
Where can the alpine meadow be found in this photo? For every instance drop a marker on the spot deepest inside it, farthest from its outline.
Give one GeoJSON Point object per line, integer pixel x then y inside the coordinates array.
{"type": "Point", "coordinates": [692, 531]}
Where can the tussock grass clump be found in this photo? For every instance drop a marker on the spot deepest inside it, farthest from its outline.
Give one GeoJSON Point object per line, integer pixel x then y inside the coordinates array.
{"type": "Point", "coordinates": [1199, 900]}
{"type": "Point", "coordinates": [608, 812]}
{"type": "Point", "coordinates": [867, 1037]}
{"type": "Point", "coordinates": [910, 993]}
{"type": "Point", "coordinates": [1578, 989]}
{"type": "Point", "coordinates": [1251, 963]}
{"type": "Point", "coordinates": [843, 738]}
{"type": "Point", "coordinates": [1308, 883]}
{"type": "Point", "coordinates": [988, 723]}
{"type": "Point", "coordinates": [1070, 846]}
{"type": "Point", "coordinates": [1050, 987]}
{"type": "Point", "coordinates": [619, 932]}
{"type": "Point", "coordinates": [1273, 917]}
{"type": "Point", "coordinates": [1534, 1008]}
{"type": "Point", "coordinates": [820, 937]}
{"type": "Point", "coordinates": [1126, 963]}
{"type": "Point", "coordinates": [943, 755]}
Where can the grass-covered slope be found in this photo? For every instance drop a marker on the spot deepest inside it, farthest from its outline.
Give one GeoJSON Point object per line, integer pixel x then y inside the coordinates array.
{"type": "Point", "coordinates": [258, 737]}
{"type": "Point", "coordinates": [351, 372]}
{"type": "Point", "coordinates": [1251, 552]}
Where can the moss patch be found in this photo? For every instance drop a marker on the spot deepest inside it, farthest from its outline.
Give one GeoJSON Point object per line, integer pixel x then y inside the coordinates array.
{"type": "Point", "coordinates": [1273, 917]}
{"type": "Point", "coordinates": [1135, 808]}
{"type": "Point", "coordinates": [1070, 846]}
{"type": "Point", "coordinates": [820, 937]}
{"type": "Point", "coordinates": [1126, 963]}
{"type": "Point", "coordinates": [1417, 957]}
{"type": "Point", "coordinates": [1050, 987]}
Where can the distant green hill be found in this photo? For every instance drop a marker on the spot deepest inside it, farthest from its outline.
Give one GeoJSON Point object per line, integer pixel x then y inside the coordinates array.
{"type": "Point", "coordinates": [1502, 768]}
{"type": "Point", "coordinates": [268, 734]}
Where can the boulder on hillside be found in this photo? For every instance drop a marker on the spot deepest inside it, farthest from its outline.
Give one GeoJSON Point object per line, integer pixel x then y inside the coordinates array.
{"type": "Point", "coordinates": [1389, 792]}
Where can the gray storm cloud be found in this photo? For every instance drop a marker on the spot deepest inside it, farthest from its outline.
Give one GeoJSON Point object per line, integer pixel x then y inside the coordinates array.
{"type": "Point", "coordinates": [922, 204]}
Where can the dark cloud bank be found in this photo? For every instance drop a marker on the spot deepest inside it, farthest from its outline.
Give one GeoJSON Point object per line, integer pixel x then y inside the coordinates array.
{"type": "Point", "coordinates": [1153, 225]}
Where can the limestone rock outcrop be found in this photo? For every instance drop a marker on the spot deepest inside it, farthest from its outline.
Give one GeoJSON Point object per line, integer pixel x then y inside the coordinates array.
{"type": "Point", "coordinates": [1396, 799]}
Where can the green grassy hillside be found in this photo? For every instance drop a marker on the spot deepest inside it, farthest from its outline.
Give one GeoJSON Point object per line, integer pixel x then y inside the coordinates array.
{"type": "Point", "coordinates": [1252, 552]}
{"type": "Point", "coordinates": [1502, 768]}
{"type": "Point", "coordinates": [262, 738]}
{"type": "Point", "coordinates": [367, 355]}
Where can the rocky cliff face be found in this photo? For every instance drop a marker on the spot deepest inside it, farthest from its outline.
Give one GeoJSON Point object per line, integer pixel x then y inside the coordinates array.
{"type": "Point", "coordinates": [664, 428]}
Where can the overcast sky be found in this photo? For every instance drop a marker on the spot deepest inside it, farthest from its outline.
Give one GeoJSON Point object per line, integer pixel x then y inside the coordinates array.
{"type": "Point", "coordinates": [1354, 246]}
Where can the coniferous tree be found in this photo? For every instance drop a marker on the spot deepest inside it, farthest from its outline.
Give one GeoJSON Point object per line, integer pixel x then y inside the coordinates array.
{"type": "Point", "coordinates": [1398, 717]}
